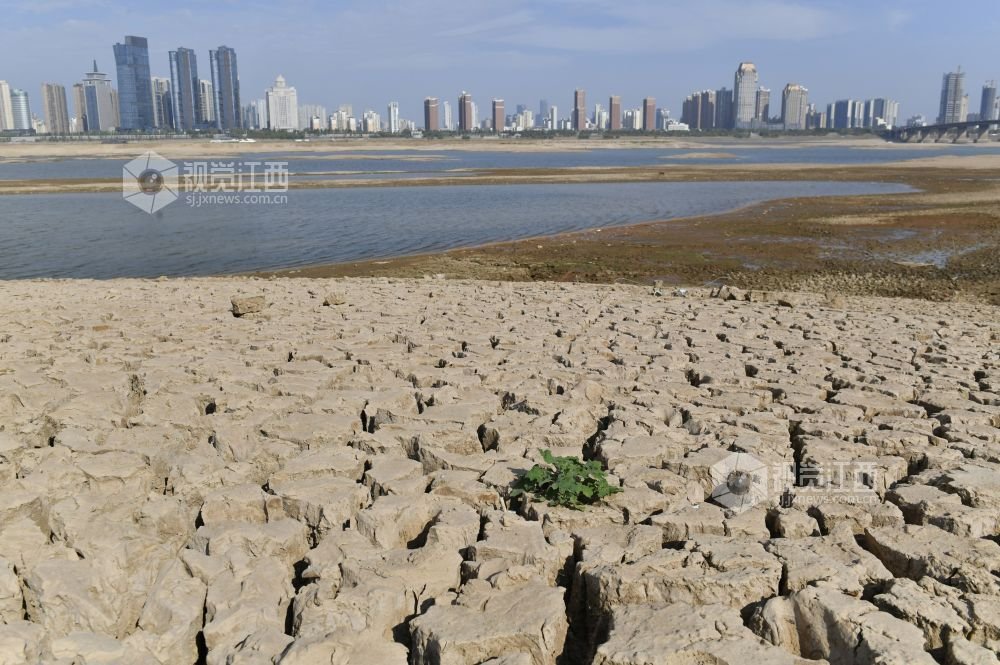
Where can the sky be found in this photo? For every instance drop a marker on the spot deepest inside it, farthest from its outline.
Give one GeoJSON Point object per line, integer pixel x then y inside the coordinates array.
{"type": "Point", "coordinates": [368, 53]}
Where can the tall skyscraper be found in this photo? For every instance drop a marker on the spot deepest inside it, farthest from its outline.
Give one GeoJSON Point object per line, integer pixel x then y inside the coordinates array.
{"type": "Point", "coordinates": [226, 84]}
{"type": "Point", "coordinates": [794, 107]}
{"type": "Point", "coordinates": [135, 87]}
{"type": "Point", "coordinates": [465, 120]}
{"type": "Point", "coordinates": [579, 110]}
{"type": "Point", "coordinates": [615, 113]}
{"type": "Point", "coordinates": [724, 115]}
{"type": "Point", "coordinates": [6, 111]}
{"type": "Point", "coordinates": [79, 120]}
{"type": "Point", "coordinates": [499, 121]}
{"type": "Point", "coordinates": [282, 106]}
{"type": "Point", "coordinates": [393, 113]}
{"type": "Point", "coordinates": [988, 109]}
{"type": "Point", "coordinates": [691, 111]}
{"type": "Point", "coordinates": [162, 104]}
{"type": "Point", "coordinates": [431, 123]}
{"type": "Point", "coordinates": [185, 87]}
{"type": "Point", "coordinates": [449, 121]}
{"type": "Point", "coordinates": [762, 106]}
{"type": "Point", "coordinates": [206, 103]}
{"type": "Point", "coordinates": [553, 119]}
{"type": "Point", "coordinates": [707, 120]}
{"type": "Point", "coordinates": [21, 109]}
{"type": "Point", "coordinates": [56, 111]}
{"type": "Point", "coordinates": [954, 103]}
{"type": "Point", "coordinates": [101, 110]}
{"type": "Point", "coordinates": [649, 114]}
{"type": "Point", "coordinates": [745, 96]}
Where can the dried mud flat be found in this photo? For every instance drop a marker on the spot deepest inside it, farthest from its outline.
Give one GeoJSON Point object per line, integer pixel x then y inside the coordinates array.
{"type": "Point", "coordinates": [325, 478]}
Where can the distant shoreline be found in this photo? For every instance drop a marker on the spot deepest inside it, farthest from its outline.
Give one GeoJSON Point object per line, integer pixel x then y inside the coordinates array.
{"type": "Point", "coordinates": [180, 149]}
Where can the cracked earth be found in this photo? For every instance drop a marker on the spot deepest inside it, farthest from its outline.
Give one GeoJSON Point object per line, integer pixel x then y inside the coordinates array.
{"type": "Point", "coordinates": [318, 471]}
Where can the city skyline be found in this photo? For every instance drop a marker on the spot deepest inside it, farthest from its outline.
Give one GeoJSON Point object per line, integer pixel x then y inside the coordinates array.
{"type": "Point", "coordinates": [185, 102]}
{"type": "Point", "coordinates": [550, 51]}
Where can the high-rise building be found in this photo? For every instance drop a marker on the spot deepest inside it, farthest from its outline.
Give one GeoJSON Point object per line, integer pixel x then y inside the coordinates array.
{"type": "Point", "coordinates": [579, 110]}
{"type": "Point", "coordinates": [954, 103]}
{"type": "Point", "coordinates": [552, 122]}
{"type": "Point", "coordinates": [691, 110]}
{"type": "Point", "coordinates": [615, 113]}
{"type": "Point", "coordinates": [499, 123]}
{"type": "Point", "coordinates": [465, 119]}
{"type": "Point", "coordinates": [308, 112]}
{"type": "Point", "coordinates": [844, 114]}
{"type": "Point", "coordinates": [162, 103]}
{"type": "Point", "coordinates": [6, 112]}
{"type": "Point", "coordinates": [371, 122]}
{"type": "Point", "coordinates": [543, 113]}
{"type": "Point", "coordinates": [707, 119]}
{"type": "Point", "coordinates": [988, 109]}
{"type": "Point", "coordinates": [649, 114]}
{"type": "Point", "coordinates": [632, 119]}
{"type": "Point", "coordinates": [101, 110]}
{"type": "Point", "coordinates": [56, 111]}
{"type": "Point", "coordinates": [282, 106]}
{"type": "Point", "coordinates": [724, 115]}
{"type": "Point", "coordinates": [185, 88]}
{"type": "Point", "coordinates": [815, 119]}
{"type": "Point", "coordinates": [21, 109]}
{"type": "Point", "coordinates": [794, 107]}
{"type": "Point", "coordinates": [206, 102]}
{"type": "Point", "coordinates": [449, 124]}
{"type": "Point", "coordinates": [393, 113]}
{"type": "Point", "coordinates": [745, 96]}
{"type": "Point", "coordinates": [883, 113]}
{"type": "Point", "coordinates": [523, 121]}
{"type": "Point", "coordinates": [255, 115]}
{"type": "Point", "coordinates": [79, 120]}
{"type": "Point", "coordinates": [698, 110]}
{"type": "Point", "coordinates": [135, 86]}
{"type": "Point", "coordinates": [431, 123]}
{"type": "Point", "coordinates": [600, 117]}
{"type": "Point", "coordinates": [858, 115]}
{"type": "Point", "coordinates": [226, 84]}
{"type": "Point", "coordinates": [762, 106]}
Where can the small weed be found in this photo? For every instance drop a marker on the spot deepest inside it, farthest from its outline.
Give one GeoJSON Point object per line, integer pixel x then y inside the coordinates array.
{"type": "Point", "coordinates": [566, 481]}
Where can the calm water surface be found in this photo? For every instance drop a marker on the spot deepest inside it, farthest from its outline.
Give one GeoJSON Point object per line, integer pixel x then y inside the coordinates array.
{"type": "Point", "coordinates": [413, 163]}
{"type": "Point", "coordinates": [101, 236]}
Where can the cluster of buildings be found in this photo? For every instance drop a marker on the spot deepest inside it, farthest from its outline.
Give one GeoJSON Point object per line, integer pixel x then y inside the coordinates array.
{"type": "Point", "coordinates": [749, 106]}
{"type": "Point", "coordinates": [647, 117]}
{"type": "Point", "coordinates": [955, 102]}
{"type": "Point", "coordinates": [186, 102]}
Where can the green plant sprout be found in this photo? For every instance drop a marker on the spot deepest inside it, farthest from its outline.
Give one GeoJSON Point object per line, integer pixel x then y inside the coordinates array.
{"type": "Point", "coordinates": [566, 482]}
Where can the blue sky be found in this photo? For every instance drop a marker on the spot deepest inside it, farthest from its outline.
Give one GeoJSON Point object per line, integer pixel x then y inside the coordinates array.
{"type": "Point", "coordinates": [369, 53]}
